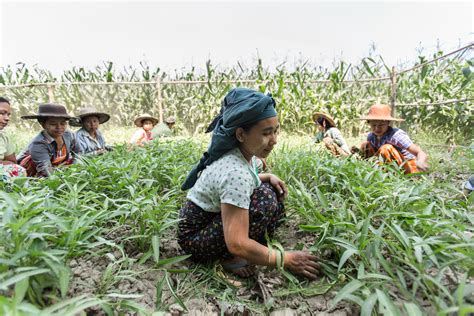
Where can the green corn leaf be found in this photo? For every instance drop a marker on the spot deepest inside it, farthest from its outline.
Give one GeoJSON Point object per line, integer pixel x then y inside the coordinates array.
{"type": "Point", "coordinates": [159, 294]}
{"type": "Point", "coordinates": [386, 306]}
{"type": "Point", "coordinates": [20, 276]}
{"type": "Point", "coordinates": [172, 260]}
{"type": "Point", "coordinates": [176, 297]}
{"type": "Point", "coordinates": [368, 305]}
{"type": "Point", "coordinates": [346, 255]}
{"type": "Point", "coordinates": [20, 290]}
{"type": "Point", "coordinates": [155, 242]}
{"type": "Point", "coordinates": [349, 288]}
{"type": "Point", "coordinates": [412, 309]}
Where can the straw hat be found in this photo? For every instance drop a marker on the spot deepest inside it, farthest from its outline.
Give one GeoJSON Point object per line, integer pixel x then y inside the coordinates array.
{"type": "Point", "coordinates": [317, 115]}
{"type": "Point", "coordinates": [170, 120]}
{"type": "Point", "coordinates": [380, 112]}
{"type": "Point", "coordinates": [49, 110]}
{"type": "Point", "coordinates": [89, 111]}
{"type": "Point", "coordinates": [138, 121]}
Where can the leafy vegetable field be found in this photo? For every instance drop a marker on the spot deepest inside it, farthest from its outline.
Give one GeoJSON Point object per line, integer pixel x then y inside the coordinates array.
{"type": "Point", "coordinates": [99, 238]}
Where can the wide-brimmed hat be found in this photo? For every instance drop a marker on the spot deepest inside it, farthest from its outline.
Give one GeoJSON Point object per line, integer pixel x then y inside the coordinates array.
{"type": "Point", "coordinates": [380, 112]}
{"type": "Point", "coordinates": [138, 121]}
{"type": "Point", "coordinates": [89, 111]}
{"type": "Point", "coordinates": [317, 115]}
{"type": "Point", "coordinates": [170, 120]}
{"type": "Point", "coordinates": [49, 110]}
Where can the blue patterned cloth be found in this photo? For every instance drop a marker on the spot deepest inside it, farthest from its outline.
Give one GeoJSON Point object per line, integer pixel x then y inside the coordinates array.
{"type": "Point", "coordinates": [395, 137]}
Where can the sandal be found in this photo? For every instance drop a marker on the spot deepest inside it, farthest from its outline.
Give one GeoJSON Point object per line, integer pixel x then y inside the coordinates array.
{"type": "Point", "coordinates": [239, 267]}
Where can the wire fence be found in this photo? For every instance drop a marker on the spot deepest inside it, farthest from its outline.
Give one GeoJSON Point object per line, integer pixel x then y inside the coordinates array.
{"type": "Point", "coordinates": [158, 98]}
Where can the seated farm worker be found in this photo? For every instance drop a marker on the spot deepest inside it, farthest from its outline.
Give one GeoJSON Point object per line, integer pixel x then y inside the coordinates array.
{"type": "Point", "coordinates": [89, 139]}
{"type": "Point", "coordinates": [8, 166]}
{"type": "Point", "coordinates": [143, 135]}
{"type": "Point", "coordinates": [54, 146]}
{"type": "Point", "coordinates": [230, 207]}
{"type": "Point", "coordinates": [391, 144]}
{"type": "Point", "coordinates": [164, 129]}
{"type": "Point", "coordinates": [330, 135]}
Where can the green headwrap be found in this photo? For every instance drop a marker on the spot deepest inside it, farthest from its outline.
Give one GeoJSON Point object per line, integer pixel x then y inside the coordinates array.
{"type": "Point", "coordinates": [241, 106]}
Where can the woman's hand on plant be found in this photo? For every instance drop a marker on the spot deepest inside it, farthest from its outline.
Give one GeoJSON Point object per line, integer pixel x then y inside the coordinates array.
{"type": "Point", "coordinates": [422, 165]}
{"type": "Point", "coordinates": [302, 263]}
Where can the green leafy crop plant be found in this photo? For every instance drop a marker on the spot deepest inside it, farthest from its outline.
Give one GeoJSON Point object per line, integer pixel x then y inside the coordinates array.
{"type": "Point", "coordinates": [385, 231]}
{"type": "Point", "coordinates": [387, 242]}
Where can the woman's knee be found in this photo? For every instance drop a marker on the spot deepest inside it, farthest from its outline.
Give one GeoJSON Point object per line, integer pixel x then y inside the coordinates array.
{"type": "Point", "coordinates": [386, 148]}
{"type": "Point", "coordinates": [388, 152]}
{"type": "Point", "coordinates": [264, 196]}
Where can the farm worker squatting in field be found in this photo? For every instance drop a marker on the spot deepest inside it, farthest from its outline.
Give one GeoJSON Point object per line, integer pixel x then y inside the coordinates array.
{"type": "Point", "coordinates": [230, 207]}
{"type": "Point", "coordinates": [53, 146]}
{"type": "Point", "coordinates": [89, 139]}
{"type": "Point", "coordinates": [143, 135]}
{"type": "Point", "coordinates": [391, 144]}
{"type": "Point", "coordinates": [8, 166]}
{"type": "Point", "coordinates": [164, 129]}
{"type": "Point", "coordinates": [330, 135]}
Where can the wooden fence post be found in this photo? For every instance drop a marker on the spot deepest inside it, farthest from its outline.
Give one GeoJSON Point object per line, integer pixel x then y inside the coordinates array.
{"type": "Point", "coordinates": [159, 100]}
{"type": "Point", "coordinates": [393, 95]}
{"type": "Point", "coordinates": [51, 94]}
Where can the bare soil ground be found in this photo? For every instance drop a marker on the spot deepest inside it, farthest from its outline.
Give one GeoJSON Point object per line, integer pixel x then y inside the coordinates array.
{"type": "Point", "coordinates": [117, 275]}
{"type": "Point", "coordinates": [110, 274]}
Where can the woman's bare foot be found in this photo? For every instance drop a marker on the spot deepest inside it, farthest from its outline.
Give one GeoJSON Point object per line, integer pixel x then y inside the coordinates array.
{"type": "Point", "coordinates": [238, 266]}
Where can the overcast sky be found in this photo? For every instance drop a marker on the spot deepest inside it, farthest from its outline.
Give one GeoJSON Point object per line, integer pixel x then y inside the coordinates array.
{"type": "Point", "coordinates": [58, 35]}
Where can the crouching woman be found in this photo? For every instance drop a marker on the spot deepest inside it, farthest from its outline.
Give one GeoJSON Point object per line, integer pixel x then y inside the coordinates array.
{"type": "Point", "coordinates": [391, 144]}
{"type": "Point", "coordinates": [230, 207]}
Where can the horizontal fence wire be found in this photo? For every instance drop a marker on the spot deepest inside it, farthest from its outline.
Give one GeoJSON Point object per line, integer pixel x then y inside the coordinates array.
{"type": "Point", "coordinates": [469, 46]}
{"type": "Point", "coordinates": [177, 82]}
{"type": "Point", "coordinates": [437, 103]}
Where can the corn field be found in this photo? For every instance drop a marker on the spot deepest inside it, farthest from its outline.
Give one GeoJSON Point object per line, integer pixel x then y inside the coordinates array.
{"type": "Point", "coordinates": [297, 92]}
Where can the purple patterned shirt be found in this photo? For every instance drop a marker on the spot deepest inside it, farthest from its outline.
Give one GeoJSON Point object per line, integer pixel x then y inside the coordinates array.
{"type": "Point", "coordinates": [396, 137]}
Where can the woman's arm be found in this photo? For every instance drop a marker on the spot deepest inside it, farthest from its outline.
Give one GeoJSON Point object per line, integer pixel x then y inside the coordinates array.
{"type": "Point", "coordinates": [340, 141]}
{"type": "Point", "coordinates": [137, 137]}
{"type": "Point", "coordinates": [41, 156]}
{"type": "Point", "coordinates": [80, 144]}
{"type": "Point", "coordinates": [235, 222]}
{"type": "Point", "coordinates": [421, 157]}
{"type": "Point", "coordinates": [318, 137]}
